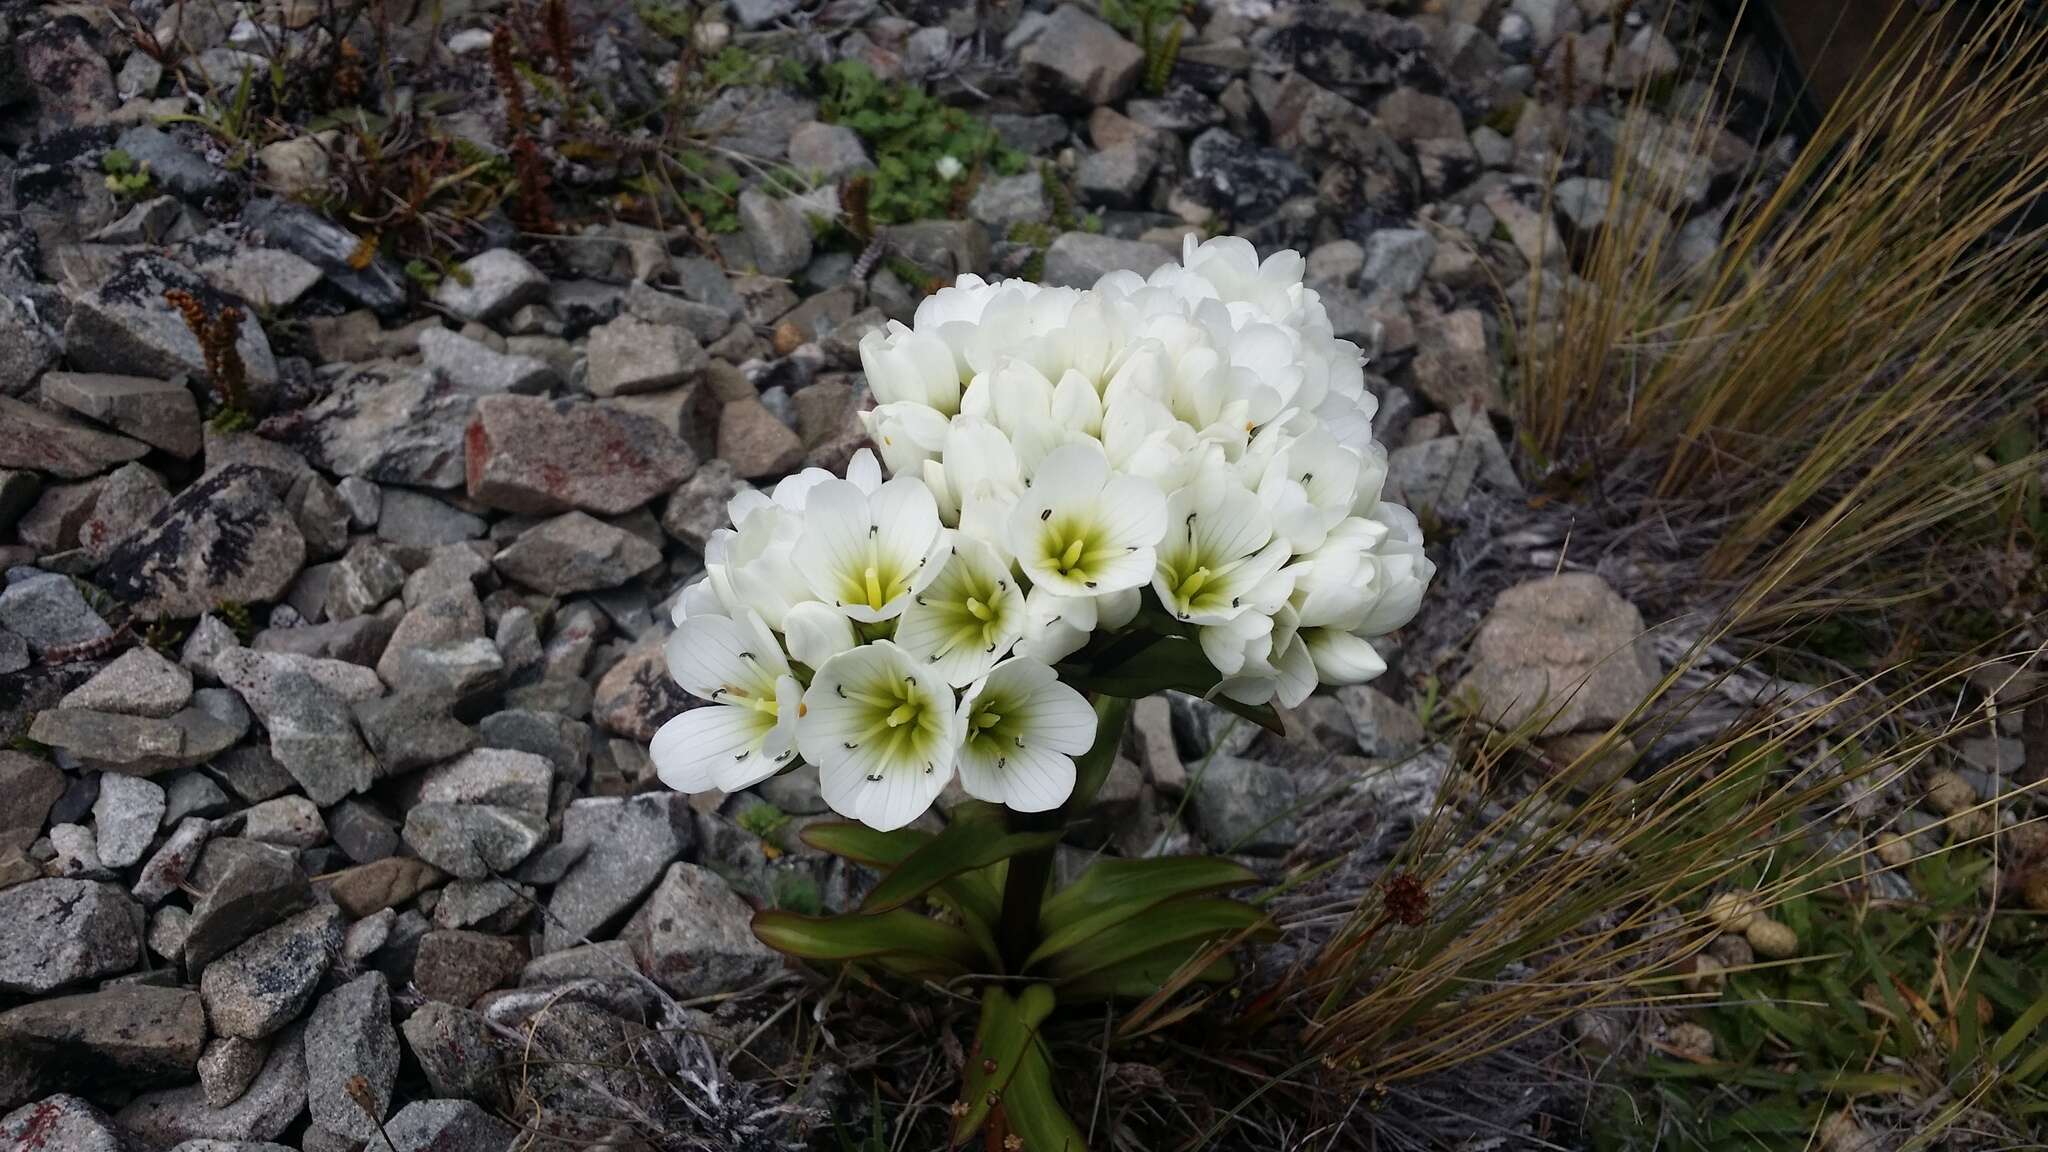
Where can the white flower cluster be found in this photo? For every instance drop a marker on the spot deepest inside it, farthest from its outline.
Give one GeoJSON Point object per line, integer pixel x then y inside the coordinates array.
{"type": "Point", "coordinates": [1054, 455]}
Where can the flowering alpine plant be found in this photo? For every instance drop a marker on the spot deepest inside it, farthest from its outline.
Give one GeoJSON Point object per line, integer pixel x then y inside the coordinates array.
{"type": "Point", "coordinates": [1076, 498]}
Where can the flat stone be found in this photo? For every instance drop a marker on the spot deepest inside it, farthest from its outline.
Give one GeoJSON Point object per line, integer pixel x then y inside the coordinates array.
{"type": "Point", "coordinates": [367, 575]}
{"type": "Point", "coordinates": [1383, 728]}
{"type": "Point", "coordinates": [311, 731]}
{"type": "Point", "coordinates": [627, 843]}
{"type": "Point", "coordinates": [270, 279]}
{"type": "Point", "coordinates": [451, 672]}
{"type": "Point", "coordinates": [1453, 364]}
{"type": "Point", "coordinates": [467, 366]}
{"type": "Point", "coordinates": [777, 232]}
{"type": "Point", "coordinates": [756, 442]}
{"type": "Point", "coordinates": [172, 166]}
{"type": "Point", "coordinates": [228, 1066]}
{"type": "Point", "coordinates": [1240, 180]}
{"type": "Point", "coordinates": [160, 413]}
{"type": "Point", "coordinates": [125, 818]}
{"type": "Point", "coordinates": [225, 538]}
{"type": "Point", "coordinates": [562, 741]}
{"type": "Point", "coordinates": [420, 520]}
{"type": "Point", "coordinates": [448, 1126]}
{"type": "Point", "coordinates": [57, 932]}
{"type": "Point", "coordinates": [192, 793]}
{"type": "Point", "coordinates": [452, 1046]}
{"type": "Point", "coordinates": [267, 980]}
{"type": "Point", "coordinates": [61, 1123]}
{"type": "Point", "coordinates": [48, 611]}
{"type": "Point", "coordinates": [54, 514]}
{"type": "Point", "coordinates": [244, 887]}
{"type": "Point", "coordinates": [130, 497]}
{"type": "Point", "coordinates": [1116, 177]}
{"type": "Point", "coordinates": [27, 347]}
{"type": "Point", "coordinates": [47, 442]}
{"type": "Point", "coordinates": [408, 733]}
{"type": "Point", "coordinates": [491, 285]}
{"type": "Point", "coordinates": [173, 861]}
{"type": "Point", "coordinates": [539, 458]}
{"type": "Point", "coordinates": [1079, 259]}
{"type": "Point", "coordinates": [1244, 806]}
{"type": "Point", "coordinates": [352, 1058]}
{"type": "Point", "coordinates": [457, 967]}
{"type": "Point", "coordinates": [126, 1037]}
{"type": "Point", "coordinates": [1567, 648]}
{"type": "Point", "coordinates": [263, 1112]}
{"type": "Point", "coordinates": [141, 745]}
{"type": "Point", "coordinates": [126, 326]}
{"type": "Point", "coordinates": [1078, 61]}
{"type": "Point", "coordinates": [377, 284]}
{"type": "Point", "coordinates": [370, 888]}
{"type": "Point", "coordinates": [695, 936]}
{"type": "Point", "coordinates": [139, 683]}
{"type": "Point", "coordinates": [575, 553]}
{"type": "Point", "coordinates": [472, 840]}
{"type": "Point", "coordinates": [630, 355]}
{"type": "Point", "coordinates": [497, 776]}
{"type": "Point", "coordinates": [287, 821]}
{"type": "Point", "coordinates": [1003, 202]}
{"type": "Point", "coordinates": [830, 151]}
{"type": "Point", "coordinates": [390, 424]}
{"type": "Point", "coordinates": [31, 785]}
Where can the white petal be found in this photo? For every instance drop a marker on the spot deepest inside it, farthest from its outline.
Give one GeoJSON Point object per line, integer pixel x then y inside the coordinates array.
{"type": "Point", "coordinates": [704, 656]}
{"type": "Point", "coordinates": [833, 547]}
{"type": "Point", "coordinates": [1069, 476]}
{"type": "Point", "coordinates": [1025, 779]}
{"type": "Point", "coordinates": [816, 632]}
{"type": "Point", "coordinates": [1132, 512]}
{"type": "Point", "coordinates": [694, 751]}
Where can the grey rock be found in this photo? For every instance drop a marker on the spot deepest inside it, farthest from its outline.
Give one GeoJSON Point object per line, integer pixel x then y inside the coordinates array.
{"type": "Point", "coordinates": [46, 442]}
{"type": "Point", "coordinates": [267, 980]}
{"type": "Point", "coordinates": [453, 671]}
{"type": "Point", "coordinates": [626, 843]}
{"type": "Point", "coordinates": [563, 742]}
{"type": "Point", "coordinates": [1395, 261]}
{"type": "Point", "coordinates": [1003, 202]}
{"type": "Point", "coordinates": [53, 521]}
{"type": "Point", "coordinates": [125, 818]}
{"type": "Point", "coordinates": [139, 683]}
{"type": "Point", "coordinates": [630, 355]}
{"type": "Point", "coordinates": [467, 366]}
{"type": "Point", "coordinates": [636, 696]}
{"type": "Point", "coordinates": [694, 936]}
{"type": "Point", "coordinates": [575, 553]}
{"type": "Point", "coordinates": [492, 905]}
{"type": "Point", "coordinates": [1244, 806]}
{"type": "Point", "coordinates": [257, 675]}
{"type": "Point", "coordinates": [125, 325]}
{"type": "Point", "coordinates": [173, 861]}
{"type": "Point", "coordinates": [363, 499]}
{"type": "Point", "coordinates": [757, 121]}
{"type": "Point", "coordinates": [172, 165]}
{"type": "Point", "coordinates": [831, 151]}
{"type": "Point", "coordinates": [75, 854]}
{"type": "Point", "coordinates": [362, 831]}
{"type": "Point", "coordinates": [350, 1043]}
{"type": "Point", "coordinates": [1078, 61]}
{"type": "Point", "coordinates": [1240, 180]}
{"type": "Point", "coordinates": [392, 425]}
{"type": "Point", "coordinates": [370, 888]}
{"type": "Point", "coordinates": [148, 222]}
{"type": "Point", "coordinates": [160, 413]}
{"type": "Point", "coordinates": [1409, 115]}
{"type": "Point", "coordinates": [1079, 259]}
{"type": "Point", "coordinates": [452, 1046]}
{"type": "Point", "coordinates": [26, 348]}
{"type": "Point", "coordinates": [363, 578]}
{"type": "Point", "coordinates": [780, 236]}
{"type": "Point", "coordinates": [540, 458]}
{"type": "Point", "coordinates": [491, 285]}
{"type": "Point", "coordinates": [500, 776]}
{"type": "Point", "coordinates": [167, 928]}
{"type": "Point", "coordinates": [269, 1106]}
{"type": "Point", "coordinates": [450, 1125]}
{"type": "Point", "coordinates": [378, 284]}
{"type": "Point", "coordinates": [287, 821]}
{"type": "Point", "coordinates": [57, 932]}
{"type": "Point", "coordinates": [125, 1037]}
{"type": "Point", "coordinates": [14, 654]}
{"type": "Point", "coordinates": [946, 248]}
{"type": "Point", "coordinates": [228, 1066]}
{"type": "Point", "coordinates": [763, 301]}
{"type": "Point", "coordinates": [192, 793]}
{"type": "Point", "coordinates": [704, 321]}
{"type": "Point", "coordinates": [408, 733]}
{"type": "Point", "coordinates": [31, 785]}
{"type": "Point", "coordinates": [311, 732]}
{"type": "Point", "coordinates": [270, 279]}
{"type": "Point", "coordinates": [759, 13]}
{"type": "Point", "coordinates": [1383, 728]}
{"type": "Point", "coordinates": [472, 840]}
{"type": "Point", "coordinates": [1453, 361]}
{"type": "Point", "coordinates": [225, 538]}
{"type": "Point", "coordinates": [62, 1123]}
{"type": "Point", "coordinates": [48, 611]}
{"type": "Point", "coordinates": [607, 960]}
{"type": "Point", "coordinates": [130, 497]}
{"type": "Point", "coordinates": [244, 887]}
{"type": "Point", "coordinates": [142, 745]}
{"type": "Point", "coordinates": [1435, 474]}
{"type": "Point", "coordinates": [1565, 648]}
{"type": "Point", "coordinates": [697, 508]}
{"type": "Point", "coordinates": [458, 967]}
{"type": "Point", "coordinates": [18, 493]}
{"type": "Point", "coordinates": [418, 520]}
{"type": "Point", "coordinates": [755, 441]}
{"type": "Point", "coordinates": [1116, 177]}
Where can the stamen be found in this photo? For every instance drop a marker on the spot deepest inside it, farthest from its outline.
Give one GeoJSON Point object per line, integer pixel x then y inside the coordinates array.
{"type": "Point", "coordinates": [874, 587]}
{"type": "Point", "coordinates": [979, 610]}
{"type": "Point", "coordinates": [903, 714]}
{"type": "Point", "coordinates": [1072, 555]}
{"type": "Point", "coordinates": [1045, 515]}
{"type": "Point", "coordinates": [874, 777]}
{"type": "Point", "coordinates": [841, 689]}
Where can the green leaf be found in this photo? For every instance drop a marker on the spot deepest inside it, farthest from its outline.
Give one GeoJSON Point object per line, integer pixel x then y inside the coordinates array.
{"type": "Point", "coordinates": [864, 845]}
{"type": "Point", "coordinates": [1031, 1109]}
{"type": "Point", "coordinates": [1008, 1024]}
{"type": "Point", "coordinates": [2016, 1035]}
{"type": "Point", "coordinates": [902, 941]}
{"type": "Point", "coordinates": [1188, 923]}
{"type": "Point", "coordinates": [964, 846]}
{"type": "Point", "coordinates": [1138, 978]}
{"type": "Point", "coordinates": [1112, 891]}
{"type": "Point", "coordinates": [1092, 767]}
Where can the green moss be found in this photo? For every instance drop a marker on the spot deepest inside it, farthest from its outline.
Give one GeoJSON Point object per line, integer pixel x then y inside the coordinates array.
{"type": "Point", "coordinates": [909, 133]}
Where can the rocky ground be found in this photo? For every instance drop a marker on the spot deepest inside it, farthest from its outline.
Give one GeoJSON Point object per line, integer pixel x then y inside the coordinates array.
{"type": "Point", "coordinates": [330, 819]}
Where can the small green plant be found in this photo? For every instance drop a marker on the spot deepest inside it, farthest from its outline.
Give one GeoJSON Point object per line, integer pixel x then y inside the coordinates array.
{"type": "Point", "coordinates": [797, 891]}
{"type": "Point", "coordinates": [1157, 26]}
{"type": "Point", "coordinates": [236, 616]}
{"type": "Point", "coordinates": [125, 177]}
{"type": "Point", "coordinates": [763, 819]}
{"type": "Point", "coordinates": [422, 273]}
{"type": "Point", "coordinates": [712, 190]}
{"type": "Point", "coordinates": [665, 19]}
{"type": "Point", "coordinates": [925, 151]}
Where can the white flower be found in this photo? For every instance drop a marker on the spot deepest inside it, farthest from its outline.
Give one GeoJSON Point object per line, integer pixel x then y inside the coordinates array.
{"type": "Point", "coordinates": [908, 433]}
{"type": "Point", "coordinates": [1404, 572]}
{"type": "Point", "coordinates": [966, 620]}
{"type": "Point", "coordinates": [815, 632]}
{"type": "Point", "coordinates": [950, 167]}
{"type": "Point", "coordinates": [1342, 657]}
{"type": "Point", "coordinates": [883, 730]}
{"type": "Point", "coordinates": [867, 554]}
{"type": "Point", "coordinates": [1272, 662]}
{"type": "Point", "coordinates": [1219, 558]}
{"type": "Point", "coordinates": [1080, 530]}
{"type": "Point", "coordinates": [1021, 729]}
{"type": "Point", "coordinates": [748, 732]}
{"type": "Point", "coordinates": [908, 366]}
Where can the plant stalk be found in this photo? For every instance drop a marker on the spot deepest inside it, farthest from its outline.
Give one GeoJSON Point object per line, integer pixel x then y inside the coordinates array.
{"type": "Point", "coordinates": [1028, 874]}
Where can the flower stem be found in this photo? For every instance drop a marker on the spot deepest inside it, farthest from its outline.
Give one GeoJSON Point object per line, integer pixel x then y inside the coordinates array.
{"type": "Point", "coordinates": [1025, 883]}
